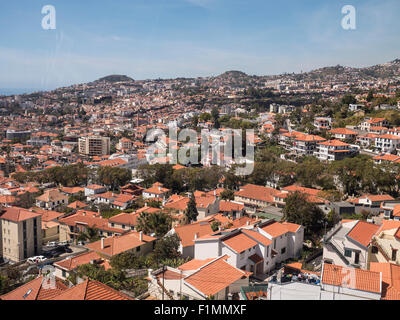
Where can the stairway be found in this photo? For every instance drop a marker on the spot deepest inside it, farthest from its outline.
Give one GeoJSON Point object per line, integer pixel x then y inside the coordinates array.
{"type": "Point", "coordinates": [165, 290]}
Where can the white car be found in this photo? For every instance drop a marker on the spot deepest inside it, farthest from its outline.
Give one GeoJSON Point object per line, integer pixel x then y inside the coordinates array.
{"type": "Point", "coordinates": [36, 259]}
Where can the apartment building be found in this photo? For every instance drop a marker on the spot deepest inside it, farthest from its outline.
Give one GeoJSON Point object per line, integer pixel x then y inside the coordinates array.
{"type": "Point", "coordinates": [387, 143]}
{"type": "Point", "coordinates": [94, 145]}
{"type": "Point", "coordinates": [21, 235]}
{"type": "Point", "coordinates": [374, 122]}
{"type": "Point", "coordinates": [343, 133]}
{"type": "Point", "coordinates": [333, 150]}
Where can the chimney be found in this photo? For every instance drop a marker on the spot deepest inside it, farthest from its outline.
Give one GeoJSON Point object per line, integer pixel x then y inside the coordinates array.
{"type": "Point", "coordinates": [102, 243]}
{"type": "Point", "coordinates": [141, 236]}
{"type": "Point", "coordinates": [84, 213]}
{"type": "Point", "coordinates": [215, 193]}
{"type": "Point", "coordinates": [159, 188]}
{"type": "Point", "coordinates": [247, 223]}
{"type": "Point", "coordinates": [196, 235]}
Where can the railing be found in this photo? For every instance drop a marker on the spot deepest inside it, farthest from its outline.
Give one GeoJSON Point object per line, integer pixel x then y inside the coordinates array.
{"type": "Point", "coordinates": [338, 247]}
{"type": "Point", "coordinates": [331, 232]}
{"type": "Point", "coordinates": [165, 290]}
{"type": "Point", "coordinates": [259, 290]}
{"type": "Point", "coordinates": [381, 249]}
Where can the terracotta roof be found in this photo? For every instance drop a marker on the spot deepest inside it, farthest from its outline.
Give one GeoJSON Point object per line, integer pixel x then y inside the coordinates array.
{"type": "Point", "coordinates": [187, 232]}
{"type": "Point", "coordinates": [91, 290]}
{"type": "Point", "coordinates": [74, 262]}
{"type": "Point", "coordinates": [215, 277]}
{"type": "Point", "coordinates": [52, 195]}
{"type": "Point", "coordinates": [256, 192]}
{"type": "Point", "coordinates": [362, 232]}
{"type": "Point", "coordinates": [118, 244]}
{"type": "Point", "coordinates": [390, 279]}
{"type": "Point", "coordinates": [35, 290]}
{"type": "Point", "coordinates": [275, 229]}
{"type": "Point", "coordinates": [194, 264]}
{"type": "Point", "coordinates": [77, 205]}
{"type": "Point", "coordinates": [239, 242]}
{"type": "Point", "coordinates": [343, 131]}
{"type": "Point", "coordinates": [257, 236]}
{"type": "Point", "coordinates": [228, 206]}
{"type": "Point", "coordinates": [363, 280]}
{"type": "Point", "coordinates": [125, 218]}
{"type": "Point", "coordinates": [334, 143]}
{"type": "Point", "coordinates": [17, 214]}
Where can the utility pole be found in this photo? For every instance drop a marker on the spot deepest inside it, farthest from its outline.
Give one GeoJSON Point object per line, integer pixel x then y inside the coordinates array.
{"type": "Point", "coordinates": [180, 295]}
{"type": "Point", "coordinates": [163, 288]}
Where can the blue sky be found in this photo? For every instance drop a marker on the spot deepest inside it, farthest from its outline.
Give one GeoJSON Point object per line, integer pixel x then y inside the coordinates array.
{"type": "Point", "coordinates": [173, 38]}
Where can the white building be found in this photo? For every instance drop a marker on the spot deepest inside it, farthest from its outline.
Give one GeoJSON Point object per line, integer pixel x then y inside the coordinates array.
{"type": "Point", "coordinates": [255, 249]}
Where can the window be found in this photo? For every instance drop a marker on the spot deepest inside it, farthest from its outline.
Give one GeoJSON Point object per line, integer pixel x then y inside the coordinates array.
{"type": "Point", "coordinates": [64, 274]}
{"type": "Point", "coordinates": [374, 249]}
{"type": "Point", "coordinates": [394, 254]}
{"type": "Point", "coordinates": [274, 243]}
{"type": "Point", "coordinates": [283, 250]}
{"type": "Point", "coordinates": [137, 249]}
{"type": "Point", "coordinates": [347, 253]}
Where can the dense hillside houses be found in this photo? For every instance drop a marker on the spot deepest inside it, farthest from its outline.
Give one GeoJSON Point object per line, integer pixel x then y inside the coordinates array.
{"type": "Point", "coordinates": [84, 190]}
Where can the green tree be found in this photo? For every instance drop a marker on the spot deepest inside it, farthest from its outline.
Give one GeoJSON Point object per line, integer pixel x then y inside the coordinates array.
{"type": "Point", "coordinates": [91, 234]}
{"type": "Point", "coordinates": [114, 177]}
{"type": "Point", "coordinates": [167, 247]}
{"type": "Point", "coordinates": [191, 210]}
{"type": "Point", "coordinates": [158, 223]}
{"type": "Point", "coordinates": [227, 195]}
{"type": "Point", "coordinates": [300, 211]}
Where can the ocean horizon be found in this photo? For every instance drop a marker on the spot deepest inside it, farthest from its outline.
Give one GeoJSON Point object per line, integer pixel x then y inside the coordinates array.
{"type": "Point", "coordinates": [10, 92]}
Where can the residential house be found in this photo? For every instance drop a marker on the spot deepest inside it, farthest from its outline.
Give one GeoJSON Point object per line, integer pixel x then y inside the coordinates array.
{"type": "Point", "coordinates": [132, 241]}
{"type": "Point", "coordinates": [348, 243]}
{"type": "Point", "coordinates": [199, 280]}
{"type": "Point", "coordinates": [254, 196]}
{"type": "Point", "coordinates": [66, 267]}
{"type": "Point", "coordinates": [156, 191]}
{"type": "Point", "coordinates": [257, 249]}
{"type": "Point", "coordinates": [51, 199]}
{"type": "Point", "coordinates": [343, 134]}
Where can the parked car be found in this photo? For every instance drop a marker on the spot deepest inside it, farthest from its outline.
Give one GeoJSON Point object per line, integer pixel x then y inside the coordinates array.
{"type": "Point", "coordinates": [36, 259]}
{"type": "Point", "coordinates": [51, 244]}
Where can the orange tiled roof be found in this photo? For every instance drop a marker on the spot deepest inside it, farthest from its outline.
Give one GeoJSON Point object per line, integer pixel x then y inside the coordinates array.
{"type": "Point", "coordinates": [74, 262]}
{"type": "Point", "coordinates": [91, 290]}
{"type": "Point", "coordinates": [215, 277]}
{"type": "Point", "coordinates": [362, 232]}
{"type": "Point", "coordinates": [256, 192]}
{"type": "Point", "coordinates": [239, 242]}
{"type": "Point", "coordinates": [187, 232]}
{"type": "Point", "coordinates": [390, 279]}
{"type": "Point", "coordinates": [364, 280]}
{"type": "Point", "coordinates": [17, 214]}
{"type": "Point", "coordinates": [194, 264]}
{"type": "Point", "coordinates": [118, 244]}
{"type": "Point", "coordinates": [34, 290]}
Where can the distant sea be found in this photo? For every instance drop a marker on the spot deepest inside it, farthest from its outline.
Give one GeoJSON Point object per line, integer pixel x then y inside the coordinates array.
{"type": "Point", "coordinates": [9, 92]}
